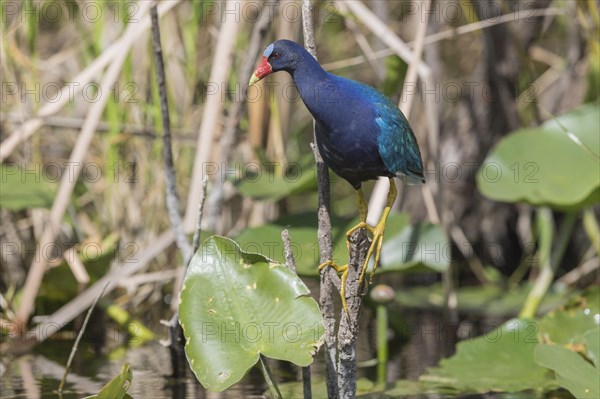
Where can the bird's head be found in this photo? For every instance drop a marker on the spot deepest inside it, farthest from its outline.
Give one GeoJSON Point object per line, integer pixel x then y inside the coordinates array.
{"type": "Point", "coordinates": [281, 55]}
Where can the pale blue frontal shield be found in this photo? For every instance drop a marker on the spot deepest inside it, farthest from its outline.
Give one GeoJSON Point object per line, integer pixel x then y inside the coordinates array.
{"type": "Point", "coordinates": [268, 50]}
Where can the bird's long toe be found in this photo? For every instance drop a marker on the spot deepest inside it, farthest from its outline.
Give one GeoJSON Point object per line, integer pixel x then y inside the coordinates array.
{"type": "Point", "coordinates": [374, 251]}
{"type": "Point", "coordinates": [340, 269]}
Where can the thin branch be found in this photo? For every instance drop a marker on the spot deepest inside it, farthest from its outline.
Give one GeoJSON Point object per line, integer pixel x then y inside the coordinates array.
{"type": "Point", "coordinates": [175, 340]}
{"type": "Point", "coordinates": [198, 231]}
{"type": "Point", "coordinates": [76, 343]}
{"type": "Point", "coordinates": [328, 275]}
{"type": "Point", "coordinates": [75, 123]}
{"type": "Point", "coordinates": [186, 261]}
{"type": "Point", "coordinates": [348, 330]}
{"type": "Point", "coordinates": [172, 199]}
{"type": "Point", "coordinates": [290, 262]}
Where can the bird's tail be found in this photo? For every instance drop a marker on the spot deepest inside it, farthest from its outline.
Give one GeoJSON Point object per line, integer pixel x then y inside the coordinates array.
{"type": "Point", "coordinates": [411, 177]}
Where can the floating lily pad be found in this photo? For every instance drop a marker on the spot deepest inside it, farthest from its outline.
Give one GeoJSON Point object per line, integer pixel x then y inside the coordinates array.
{"type": "Point", "coordinates": [573, 372]}
{"type": "Point", "coordinates": [570, 333]}
{"type": "Point", "coordinates": [592, 345]}
{"type": "Point", "coordinates": [501, 360]}
{"type": "Point", "coordinates": [545, 167]}
{"type": "Point", "coordinates": [236, 306]}
{"type": "Point", "coordinates": [568, 324]}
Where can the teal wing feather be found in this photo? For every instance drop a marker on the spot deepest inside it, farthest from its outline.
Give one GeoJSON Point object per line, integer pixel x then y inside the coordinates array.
{"type": "Point", "coordinates": [396, 142]}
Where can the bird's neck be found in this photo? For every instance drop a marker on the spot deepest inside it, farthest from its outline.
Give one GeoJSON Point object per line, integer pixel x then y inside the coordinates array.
{"type": "Point", "coordinates": [313, 83]}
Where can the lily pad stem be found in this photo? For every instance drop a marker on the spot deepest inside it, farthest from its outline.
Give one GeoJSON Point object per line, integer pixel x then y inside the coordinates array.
{"type": "Point", "coordinates": [266, 371]}
{"type": "Point", "coordinates": [549, 259]}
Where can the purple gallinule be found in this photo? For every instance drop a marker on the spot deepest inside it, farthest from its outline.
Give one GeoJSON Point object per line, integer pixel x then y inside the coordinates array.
{"type": "Point", "coordinates": [361, 134]}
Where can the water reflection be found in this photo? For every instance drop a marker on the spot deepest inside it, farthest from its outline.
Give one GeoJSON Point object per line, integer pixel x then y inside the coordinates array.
{"type": "Point", "coordinates": [416, 342]}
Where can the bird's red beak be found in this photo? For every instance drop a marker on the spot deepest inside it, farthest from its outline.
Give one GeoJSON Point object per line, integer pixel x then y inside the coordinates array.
{"type": "Point", "coordinates": [263, 70]}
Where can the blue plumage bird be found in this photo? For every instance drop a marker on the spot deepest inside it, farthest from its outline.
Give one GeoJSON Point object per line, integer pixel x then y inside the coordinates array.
{"type": "Point", "coordinates": [361, 134]}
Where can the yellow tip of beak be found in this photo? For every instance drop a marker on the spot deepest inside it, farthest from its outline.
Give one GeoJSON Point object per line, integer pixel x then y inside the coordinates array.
{"type": "Point", "coordinates": [253, 79]}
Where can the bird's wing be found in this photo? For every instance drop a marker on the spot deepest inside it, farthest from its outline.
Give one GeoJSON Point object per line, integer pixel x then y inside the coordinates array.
{"type": "Point", "coordinates": [397, 143]}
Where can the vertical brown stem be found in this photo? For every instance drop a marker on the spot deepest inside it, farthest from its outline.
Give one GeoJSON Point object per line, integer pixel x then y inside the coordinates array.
{"type": "Point", "coordinates": [324, 234]}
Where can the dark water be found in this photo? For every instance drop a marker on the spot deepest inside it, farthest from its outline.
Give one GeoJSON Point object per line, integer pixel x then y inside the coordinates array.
{"type": "Point", "coordinates": [37, 375]}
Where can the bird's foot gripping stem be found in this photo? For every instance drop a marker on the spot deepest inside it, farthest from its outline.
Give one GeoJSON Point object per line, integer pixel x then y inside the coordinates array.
{"type": "Point", "coordinates": [374, 248]}
{"type": "Point", "coordinates": [344, 269]}
{"type": "Point", "coordinates": [340, 269]}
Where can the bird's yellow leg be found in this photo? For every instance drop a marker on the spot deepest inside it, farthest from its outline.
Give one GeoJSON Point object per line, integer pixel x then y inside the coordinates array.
{"type": "Point", "coordinates": [340, 269]}
{"type": "Point", "coordinates": [377, 231]}
{"type": "Point", "coordinates": [362, 205]}
{"type": "Point", "coordinates": [362, 213]}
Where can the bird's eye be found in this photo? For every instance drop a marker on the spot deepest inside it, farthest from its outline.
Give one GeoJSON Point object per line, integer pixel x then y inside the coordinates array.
{"type": "Point", "coordinates": [275, 56]}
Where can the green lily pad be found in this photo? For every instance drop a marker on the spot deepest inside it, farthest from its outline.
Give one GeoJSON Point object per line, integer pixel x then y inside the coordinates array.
{"type": "Point", "coordinates": [117, 387]}
{"type": "Point", "coordinates": [419, 247]}
{"type": "Point", "coordinates": [573, 372]}
{"type": "Point", "coordinates": [24, 188]}
{"type": "Point", "coordinates": [568, 324]}
{"type": "Point", "coordinates": [236, 306]}
{"type": "Point", "coordinates": [544, 167]}
{"type": "Point", "coordinates": [302, 227]}
{"type": "Point", "coordinates": [592, 345]}
{"type": "Point", "coordinates": [501, 360]}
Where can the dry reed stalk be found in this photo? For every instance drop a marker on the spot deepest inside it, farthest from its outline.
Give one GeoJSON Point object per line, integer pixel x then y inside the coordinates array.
{"type": "Point", "coordinates": [213, 109]}
{"type": "Point", "coordinates": [76, 343]}
{"type": "Point", "coordinates": [280, 116]}
{"type": "Point", "coordinates": [231, 128]}
{"type": "Point", "coordinates": [76, 265]}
